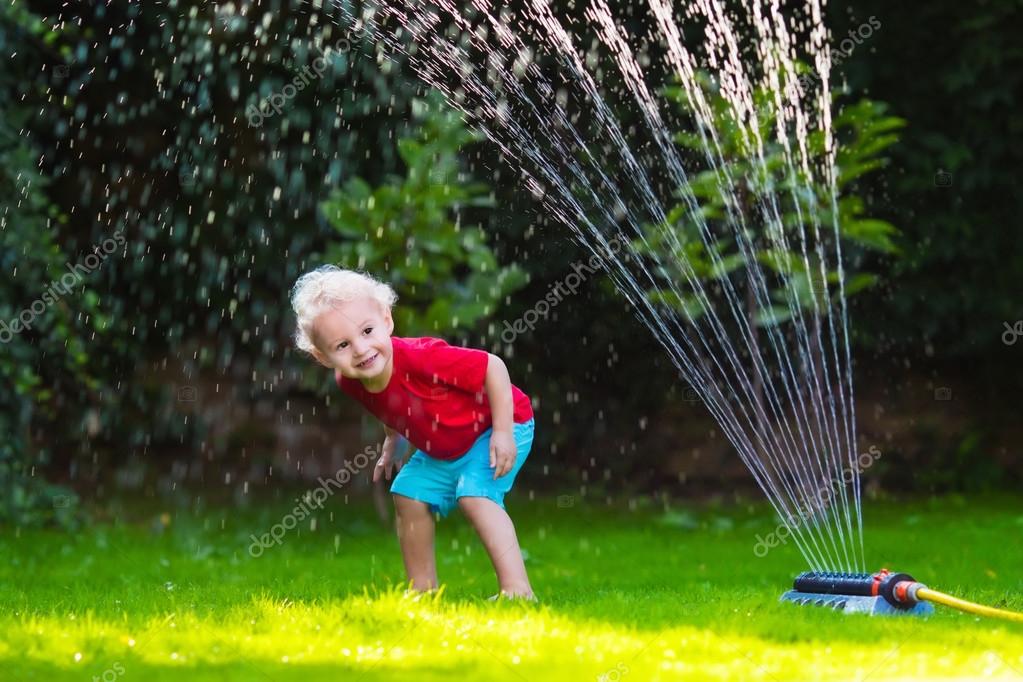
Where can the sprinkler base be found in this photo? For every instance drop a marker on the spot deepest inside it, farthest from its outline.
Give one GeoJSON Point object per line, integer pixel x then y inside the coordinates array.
{"type": "Point", "coordinates": [874, 606]}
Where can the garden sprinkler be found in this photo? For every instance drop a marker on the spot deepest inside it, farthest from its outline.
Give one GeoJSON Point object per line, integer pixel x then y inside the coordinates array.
{"type": "Point", "coordinates": [881, 593]}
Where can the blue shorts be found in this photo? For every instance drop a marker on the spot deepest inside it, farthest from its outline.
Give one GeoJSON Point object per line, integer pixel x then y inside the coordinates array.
{"type": "Point", "coordinates": [440, 483]}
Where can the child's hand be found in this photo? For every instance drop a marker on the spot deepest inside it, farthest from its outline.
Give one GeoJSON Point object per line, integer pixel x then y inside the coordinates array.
{"type": "Point", "coordinates": [502, 452]}
{"type": "Point", "coordinates": [386, 460]}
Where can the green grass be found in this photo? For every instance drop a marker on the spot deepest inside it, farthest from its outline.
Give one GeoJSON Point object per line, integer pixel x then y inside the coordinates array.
{"type": "Point", "coordinates": [632, 594]}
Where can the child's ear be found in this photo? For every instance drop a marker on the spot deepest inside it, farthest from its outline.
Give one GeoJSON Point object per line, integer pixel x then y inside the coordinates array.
{"type": "Point", "coordinates": [390, 322]}
{"type": "Point", "coordinates": [321, 358]}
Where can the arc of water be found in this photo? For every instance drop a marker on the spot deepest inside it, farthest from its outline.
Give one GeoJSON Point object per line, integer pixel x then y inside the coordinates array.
{"type": "Point", "coordinates": [599, 13]}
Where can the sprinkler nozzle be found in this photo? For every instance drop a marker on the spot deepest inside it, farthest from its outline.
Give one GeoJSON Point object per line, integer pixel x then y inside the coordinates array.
{"type": "Point", "coordinates": [882, 592]}
{"type": "Point", "coordinates": [898, 589]}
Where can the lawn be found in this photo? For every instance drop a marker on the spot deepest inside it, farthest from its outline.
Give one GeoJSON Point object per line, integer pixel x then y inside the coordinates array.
{"type": "Point", "coordinates": [628, 592]}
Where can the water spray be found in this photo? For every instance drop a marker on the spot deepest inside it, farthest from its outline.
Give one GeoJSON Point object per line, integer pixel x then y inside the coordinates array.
{"type": "Point", "coordinates": [879, 593]}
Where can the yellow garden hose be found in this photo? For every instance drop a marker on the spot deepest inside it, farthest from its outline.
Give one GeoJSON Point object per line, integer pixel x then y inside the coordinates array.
{"type": "Point", "coordinates": [928, 594]}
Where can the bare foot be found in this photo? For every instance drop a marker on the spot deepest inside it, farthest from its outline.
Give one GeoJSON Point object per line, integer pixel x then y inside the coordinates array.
{"type": "Point", "coordinates": [420, 592]}
{"type": "Point", "coordinates": [526, 596]}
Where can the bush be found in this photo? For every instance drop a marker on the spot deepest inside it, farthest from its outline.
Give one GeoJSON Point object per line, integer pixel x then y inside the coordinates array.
{"type": "Point", "coordinates": [410, 227]}
{"type": "Point", "coordinates": [44, 364]}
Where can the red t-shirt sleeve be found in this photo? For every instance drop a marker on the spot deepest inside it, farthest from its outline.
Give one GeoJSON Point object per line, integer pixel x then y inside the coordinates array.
{"type": "Point", "coordinates": [464, 368]}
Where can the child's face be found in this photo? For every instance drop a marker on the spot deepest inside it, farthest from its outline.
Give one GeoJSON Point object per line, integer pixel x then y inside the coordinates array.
{"type": "Point", "coordinates": [354, 338]}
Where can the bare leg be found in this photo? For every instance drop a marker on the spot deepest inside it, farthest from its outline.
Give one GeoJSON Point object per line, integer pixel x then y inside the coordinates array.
{"type": "Point", "coordinates": [497, 532]}
{"type": "Point", "coordinates": [415, 535]}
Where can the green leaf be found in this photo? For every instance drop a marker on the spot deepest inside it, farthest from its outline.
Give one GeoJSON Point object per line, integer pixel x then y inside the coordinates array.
{"type": "Point", "coordinates": [772, 316]}
{"type": "Point", "coordinates": [859, 282]}
{"type": "Point", "coordinates": [872, 233]}
{"type": "Point", "coordinates": [722, 268]}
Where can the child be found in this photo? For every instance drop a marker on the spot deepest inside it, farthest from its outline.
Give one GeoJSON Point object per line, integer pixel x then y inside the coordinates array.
{"type": "Point", "coordinates": [472, 428]}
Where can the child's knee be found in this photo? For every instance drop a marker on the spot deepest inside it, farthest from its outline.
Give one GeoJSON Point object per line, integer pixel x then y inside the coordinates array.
{"type": "Point", "coordinates": [480, 506]}
{"type": "Point", "coordinates": [406, 506]}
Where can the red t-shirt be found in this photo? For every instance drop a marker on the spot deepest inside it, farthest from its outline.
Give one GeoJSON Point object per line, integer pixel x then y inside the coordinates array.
{"type": "Point", "coordinates": [436, 397]}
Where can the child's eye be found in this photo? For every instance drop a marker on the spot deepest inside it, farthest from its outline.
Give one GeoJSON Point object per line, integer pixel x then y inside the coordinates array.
{"type": "Point", "coordinates": [342, 345]}
{"type": "Point", "coordinates": [367, 330]}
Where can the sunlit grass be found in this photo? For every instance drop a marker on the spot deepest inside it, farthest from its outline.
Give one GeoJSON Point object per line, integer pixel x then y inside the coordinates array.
{"type": "Point", "coordinates": [627, 593]}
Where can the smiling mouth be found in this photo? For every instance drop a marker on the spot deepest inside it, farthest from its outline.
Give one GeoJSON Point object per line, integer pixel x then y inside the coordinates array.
{"type": "Point", "coordinates": [366, 363]}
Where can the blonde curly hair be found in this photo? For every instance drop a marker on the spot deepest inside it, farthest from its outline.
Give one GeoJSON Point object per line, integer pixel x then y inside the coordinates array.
{"type": "Point", "coordinates": [327, 286]}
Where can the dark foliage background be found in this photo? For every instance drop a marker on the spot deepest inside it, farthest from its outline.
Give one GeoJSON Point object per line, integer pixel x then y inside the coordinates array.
{"type": "Point", "coordinates": [171, 363]}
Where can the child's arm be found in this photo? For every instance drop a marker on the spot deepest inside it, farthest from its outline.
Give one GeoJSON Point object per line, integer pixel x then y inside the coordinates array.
{"type": "Point", "coordinates": [396, 437]}
{"type": "Point", "coordinates": [387, 454]}
{"type": "Point", "coordinates": [502, 407]}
